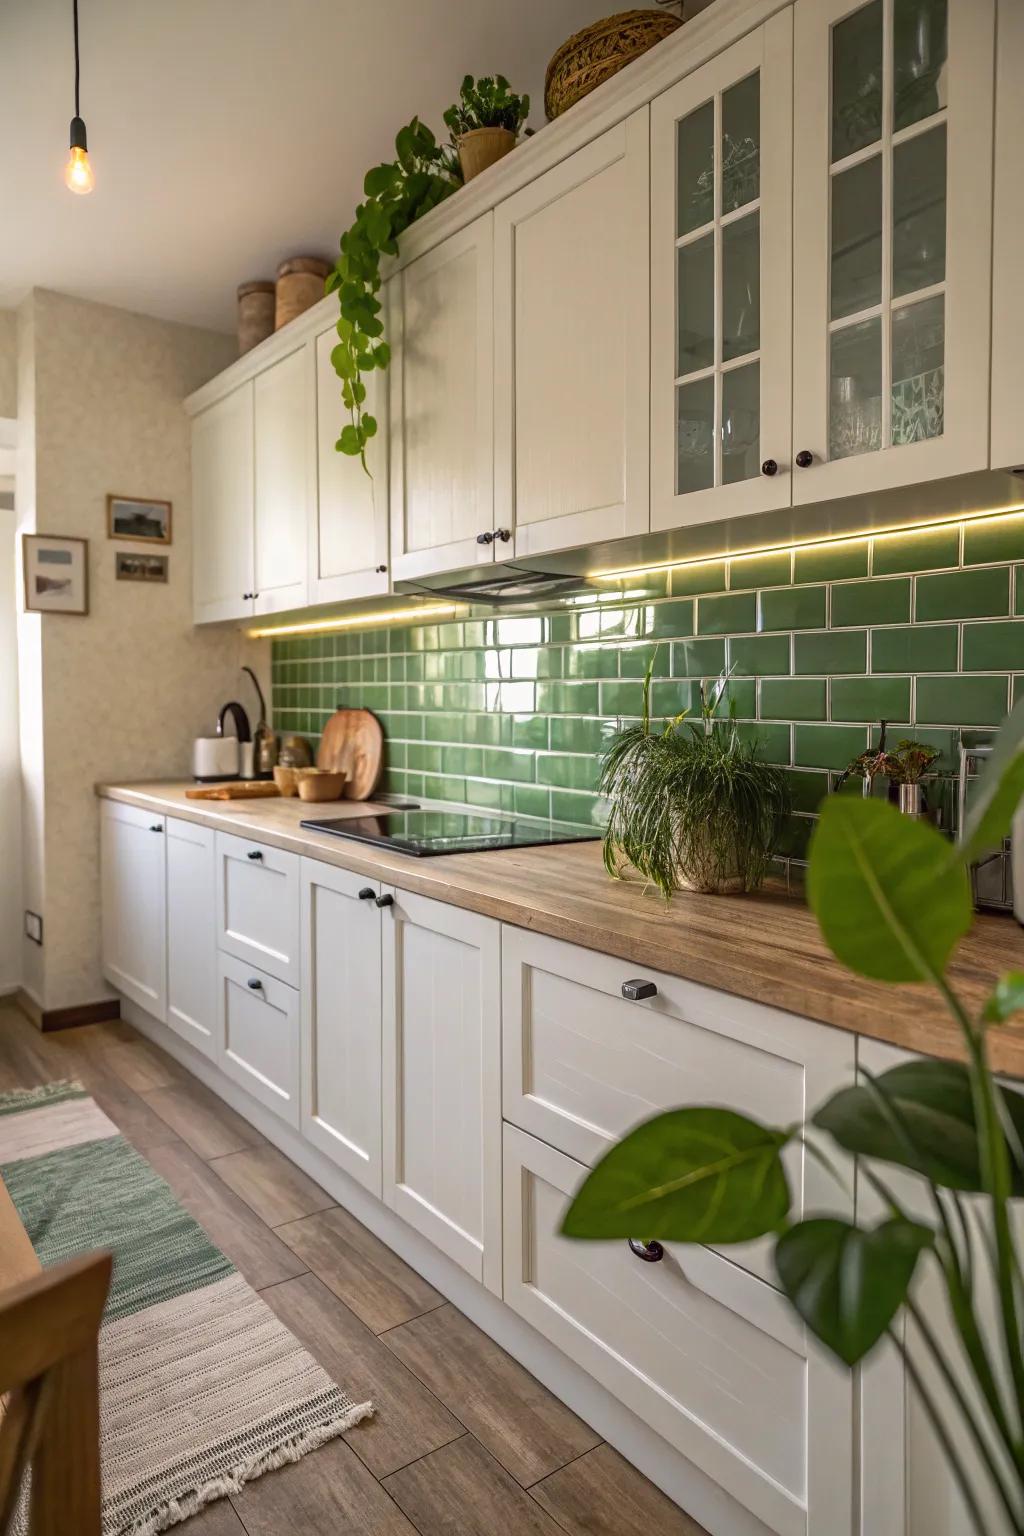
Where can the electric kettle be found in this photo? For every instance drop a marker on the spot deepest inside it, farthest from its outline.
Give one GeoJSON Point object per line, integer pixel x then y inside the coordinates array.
{"type": "Point", "coordinates": [216, 758]}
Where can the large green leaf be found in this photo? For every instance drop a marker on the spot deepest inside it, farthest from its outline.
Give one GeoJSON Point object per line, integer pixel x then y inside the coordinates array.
{"type": "Point", "coordinates": [999, 791]}
{"type": "Point", "coordinates": [700, 1175]}
{"type": "Point", "coordinates": [1007, 998]}
{"type": "Point", "coordinates": [890, 903]}
{"type": "Point", "coordinates": [926, 1123]}
{"type": "Point", "coordinates": [847, 1283]}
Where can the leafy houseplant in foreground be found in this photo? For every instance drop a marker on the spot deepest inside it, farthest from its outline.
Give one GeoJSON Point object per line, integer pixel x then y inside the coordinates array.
{"type": "Point", "coordinates": [691, 804]}
{"type": "Point", "coordinates": [892, 898]}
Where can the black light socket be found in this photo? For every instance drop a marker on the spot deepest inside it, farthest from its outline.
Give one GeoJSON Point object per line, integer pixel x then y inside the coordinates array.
{"type": "Point", "coordinates": [78, 139]}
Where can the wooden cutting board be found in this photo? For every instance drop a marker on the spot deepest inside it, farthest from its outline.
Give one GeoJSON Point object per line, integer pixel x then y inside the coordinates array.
{"type": "Point", "coordinates": [241, 789]}
{"type": "Point", "coordinates": [353, 744]}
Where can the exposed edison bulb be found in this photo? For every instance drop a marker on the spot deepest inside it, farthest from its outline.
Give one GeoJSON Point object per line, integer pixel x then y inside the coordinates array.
{"type": "Point", "coordinates": [78, 173]}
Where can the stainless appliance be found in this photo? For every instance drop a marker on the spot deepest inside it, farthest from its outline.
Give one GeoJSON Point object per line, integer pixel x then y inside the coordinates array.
{"type": "Point", "coordinates": [425, 834]}
{"type": "Point", "coordinates": [997, 879]}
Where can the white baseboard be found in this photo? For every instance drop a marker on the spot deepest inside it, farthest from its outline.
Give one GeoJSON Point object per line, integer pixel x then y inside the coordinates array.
{"type": "Point", "coordinates": [679, 1478]}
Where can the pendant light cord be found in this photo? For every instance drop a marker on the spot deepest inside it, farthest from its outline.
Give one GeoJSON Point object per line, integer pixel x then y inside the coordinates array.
{"type": "Point", "coordinates": [77, 70]}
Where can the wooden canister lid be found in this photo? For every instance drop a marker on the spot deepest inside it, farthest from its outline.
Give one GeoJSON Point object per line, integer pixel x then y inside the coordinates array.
{"type": "Point", "coordinates": [306, 264]}
{"type": "Point", "coordinates": [258, 285]}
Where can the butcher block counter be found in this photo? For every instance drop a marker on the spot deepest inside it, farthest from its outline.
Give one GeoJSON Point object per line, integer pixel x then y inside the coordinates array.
{"type": "Point", "coordinates": [765, 947]}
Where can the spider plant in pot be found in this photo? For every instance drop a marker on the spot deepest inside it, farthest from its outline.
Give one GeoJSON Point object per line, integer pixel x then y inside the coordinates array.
{"type": "Point", "coordinates": [691, 805]}
{"type": "Point", "coordinates": [485, 122]}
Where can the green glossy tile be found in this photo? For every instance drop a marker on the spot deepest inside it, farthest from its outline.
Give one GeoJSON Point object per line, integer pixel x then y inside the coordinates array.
{"type": "Point", "coordinates": [669, 699]}
{"type": "Point", "coordinates": [620, 699]}
{"type": "Point", "coordinates": [586, 661]}
{"type": "Point", "coordinates": [871, 602]}
{"type": "Point", "coordinates": [796, 835]}
{"type": "Point", "coordinates": [518, 767]}
{"type": "Point", "coordinates": [610, 624]}
{"type": "Point", "coordinates": [1018, 601]}
{"type": "Point", "coordinates": [792, 608]}
{"type": "Point", "coordinates": [964, 594]}
{"type": "Point", "coordinates": [731, 613]}
{"type": "Point", "coordinates": [698, 658]}
{"type": "Point", "coordinates": [444, 787]}
{"type": "Point", "coordinates": [533, 662]}
{"type": "Point", "coordinates": [421, 758]}
{"type": "Point", "coordinates": [761, 571]}
{"type": "Point", "coordinates": [571, 735]}
{"type": "Point", "coordinates": [759, 655]}
{"type": "Point", "coordinates": [870, 698]}
{"type": "Point", "coordinates": [962, 700]}
{"type": "Point", "coordinates": [490, 796]}
{"type": "Point", "coordinates": [532, 730]}
{"type": "Point", "coordinates": [667, 620]}
{"type": "Point", "coordinates": [520, 698]}
{"type": "Point", "coordinates": [567, 698]}
{"type": "Point", "coordinates": [927, 549]}
{"type": "Point", "coordinates": [915, 648]}
{"type": "Point", "coordinates": [997, 647]}
{"type": "Point", "coordinates": [530, 800]}
{"type": "Point", "coordinates": [739, 698]}
{"type": "Point", "coordinates": [986, 542]}
{"type": "Point", "coordinates": [796, 698]}
{"type": "Point", "coordinates": [825, 652]}
{"type": "Point", "coordinates": [583, 810]}
{"type": "Point", "coordinates": [463, 760]}
{"type": "Point", "coordinates": [635, 659]}
{"type": "Point", "coordinates": [1018, 690]}
{"type": "Point", "coordinates": [807, 788]}
{"type": "Point", "coordinates": [560, 626]}
{"type": "Point", "coordinates": [520, 631]}
{"type": "Point", "coordinates": [563, 771]}
{"type": "Point", "coordinates": [772, 741]}
{"type": "Point", "coordinates": [691, 580]}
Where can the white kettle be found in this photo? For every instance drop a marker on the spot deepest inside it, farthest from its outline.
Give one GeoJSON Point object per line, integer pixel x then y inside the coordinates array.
{"type": "Point", "coordinates": [215, 758]}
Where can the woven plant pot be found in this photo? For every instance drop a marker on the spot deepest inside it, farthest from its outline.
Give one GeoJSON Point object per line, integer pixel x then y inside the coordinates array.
{"type": "Point", "coordinates": [481, 147]}
{"type": "Point", "coordinates": [592, 56]}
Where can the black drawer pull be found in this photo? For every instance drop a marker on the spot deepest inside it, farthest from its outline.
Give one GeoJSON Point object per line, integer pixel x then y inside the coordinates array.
{"type": "Point", "coordinates": [367, 893]}
{"type": "Point", "coordinates": [254, 984]}
{"type": "Point", "coordinates": [651, 1253]}
{"type": "Point", "coordinates": [254, 853]}
{"type": "Point", "coordinates": [384, 901]}
{"type": "Point", "coordinates": [636, 990]}
{"type": "Point", "coordinates": [156, 828]}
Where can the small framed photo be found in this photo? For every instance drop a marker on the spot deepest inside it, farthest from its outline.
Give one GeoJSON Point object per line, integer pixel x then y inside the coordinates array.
{"type": "Point", "coordinates": [56, 574]}
{"type": "Point", "coordinates": [132, 567]}
{"type": "Point", "coordinates": [138, 522]}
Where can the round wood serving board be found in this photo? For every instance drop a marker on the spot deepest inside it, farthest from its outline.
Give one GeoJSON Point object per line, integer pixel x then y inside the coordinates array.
{"type": "Point", "coordinates": [353, 744]}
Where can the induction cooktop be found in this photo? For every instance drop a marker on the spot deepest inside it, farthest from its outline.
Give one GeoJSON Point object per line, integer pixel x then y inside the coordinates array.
{"type": "Point", "coordinates": [428, 833]}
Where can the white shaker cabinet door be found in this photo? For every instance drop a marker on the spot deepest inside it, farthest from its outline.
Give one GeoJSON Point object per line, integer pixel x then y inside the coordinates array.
{"type": "Point", "coordinates": [222, 508]}
{"type": "Point", "coordinates": [258, 1035]}
{"type": "Point", "coordinates": [192, 934]}
{"type": "Point", "coordinates": [258, 905]}
{"type": "Point", "coordinates": [442, 405]}
{"type": "Point", "coordinates": [349, 526]}
{"type": "Point", "coordinates": [134, 945]}
{"type": "Point", "coordinates": [721, 284]}
{"type": "Point", "coordinates": [1008, 242]}
{"type": "Point", "coordinates": [572, 384]}
{"type": "Point", "coordinates": [283, 429]}
{"type": "Point", "coordinates": [341, 1019]}
{"type": "Point", "coordinates": [442, 1078]}
{"type": "Point", "coordinates": [892, 213]}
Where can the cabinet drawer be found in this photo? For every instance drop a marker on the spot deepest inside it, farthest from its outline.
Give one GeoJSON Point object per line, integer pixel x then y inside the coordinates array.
{"type": "Point", "coordinates": [258, 905]}
{"type": "Point", "coordinates": [582, 1064]}
{"type": "Point", "coordinates": [710, 1357]}
{"type": "Point", "coordinates": [258, 1035]}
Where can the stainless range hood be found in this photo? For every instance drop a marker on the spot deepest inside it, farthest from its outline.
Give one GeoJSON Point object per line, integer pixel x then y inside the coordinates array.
{"type": "Point", "coordinates": [496, 585]}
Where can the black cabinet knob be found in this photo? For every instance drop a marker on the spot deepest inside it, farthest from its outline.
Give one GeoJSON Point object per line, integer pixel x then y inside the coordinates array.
{"type": "Point", "coordinates": [805, 458]}
{"type": "Point", "coordinates": [156, 828]}
{"type": "Point", "coordinates": [485, 538]}
{"type": "Point", "coordinates": [384, 901]}
{"type": "Point", "coordinates": [254, 985]}
{"type": "Point", "coordinates": [367, 893]}
{"type": "Point", "coordinates": [651, 1253]}
{"type": "Point", "coordinates": [504, 534]}
{"type": "Point", "coordinates": [636, 990]}
{"type": "Point", "coordinates": [254, 853]}
{"type": "Point", "coordinates": [769, 467]}
{"type": "Point", "coordinates": [380, 569]}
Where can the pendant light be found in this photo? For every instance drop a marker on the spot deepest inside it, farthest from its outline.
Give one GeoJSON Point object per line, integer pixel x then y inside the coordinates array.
{"type": "Point", "coordinates": [78, 176]}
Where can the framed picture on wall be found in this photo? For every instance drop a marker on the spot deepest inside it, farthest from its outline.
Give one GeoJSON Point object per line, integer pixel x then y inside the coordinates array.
{"type": "Point", "coordinates": [140, 567]}
{"type": "Point", "coordinates": [56, 574]}
{"type": "Point", "coordinates": [137, 521]}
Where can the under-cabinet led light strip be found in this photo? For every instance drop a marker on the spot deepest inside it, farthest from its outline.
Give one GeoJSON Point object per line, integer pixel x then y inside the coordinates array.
{"type": "Point", "coordinates": [359, 620]}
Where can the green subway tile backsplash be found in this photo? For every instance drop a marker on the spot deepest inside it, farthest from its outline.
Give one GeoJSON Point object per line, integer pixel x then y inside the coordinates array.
{"type": "Point", "coordinates": [510, 712]}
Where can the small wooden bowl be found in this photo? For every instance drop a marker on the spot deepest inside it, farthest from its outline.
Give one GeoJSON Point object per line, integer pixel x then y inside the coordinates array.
{"type": "Point", "coordinates": [286, 780]}
{"type": "Point", "coordinates": [320, 784]}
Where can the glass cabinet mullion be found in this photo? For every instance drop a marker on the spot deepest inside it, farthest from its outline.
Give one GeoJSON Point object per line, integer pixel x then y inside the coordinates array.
{"type": "Point", "coordinates": [923, 125]}
{"type": "Point", "coordinates": [719, 289]}
{"type": "Point", "coordinates": [888, 27]}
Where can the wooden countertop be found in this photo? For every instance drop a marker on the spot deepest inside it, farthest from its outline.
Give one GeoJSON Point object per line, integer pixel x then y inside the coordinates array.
{"type": "Point", "coordinates": [765, 947]}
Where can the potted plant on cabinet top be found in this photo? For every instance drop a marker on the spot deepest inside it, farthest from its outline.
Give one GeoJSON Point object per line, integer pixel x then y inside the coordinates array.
{"type": "Point", "coordinates": [485, 121]}
{"type": "Point", "coordinates": [692, 805]}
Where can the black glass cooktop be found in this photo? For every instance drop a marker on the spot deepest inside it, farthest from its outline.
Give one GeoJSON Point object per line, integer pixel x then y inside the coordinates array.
{"type": "Point", "coordinates": [427, 833]}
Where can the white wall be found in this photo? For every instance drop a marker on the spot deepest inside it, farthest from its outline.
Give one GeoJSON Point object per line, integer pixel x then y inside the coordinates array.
{"type": "Point", "coordinates": [10, 767]}
{"type": "Point", "coordinates": [8, 363]}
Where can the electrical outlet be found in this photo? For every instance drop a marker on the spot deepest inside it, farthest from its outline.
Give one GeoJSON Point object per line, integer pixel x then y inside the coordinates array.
{"type": "Point", "coordinates": [34, 927]}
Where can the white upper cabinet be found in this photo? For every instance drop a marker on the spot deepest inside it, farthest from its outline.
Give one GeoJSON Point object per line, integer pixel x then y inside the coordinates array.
{"type": "Point", "coordinates": [222, 492]}
{"type": "Point", "coordinates": [442, 384]}
{"type": "Point", "coordinates": [349, 526]}
{"type": "Point", "coordinates": [571, 382]}
{"type": "Point", "coordinates": [1008, 240]}
{"type": "Point", "coordinates": [282, 412]}
{"type": "Point", "coordinates": [721, 284]}
{"type": "Point", "coordinates": [892, 260]}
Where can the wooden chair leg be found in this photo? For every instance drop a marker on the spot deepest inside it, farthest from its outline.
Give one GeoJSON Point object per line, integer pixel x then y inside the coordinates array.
{"type": "Point", "coordinates": [66, 1484]}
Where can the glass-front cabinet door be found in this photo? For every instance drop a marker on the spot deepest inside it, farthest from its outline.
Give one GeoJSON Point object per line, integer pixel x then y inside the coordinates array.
{"type": "Point", "coordinates": [892, 201]}
{"type": "Point", "coordinates": [721, 270]}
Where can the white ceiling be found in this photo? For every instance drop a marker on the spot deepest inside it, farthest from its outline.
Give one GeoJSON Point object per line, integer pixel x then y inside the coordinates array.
{"type": "Point", "coordinates": [226, 134]}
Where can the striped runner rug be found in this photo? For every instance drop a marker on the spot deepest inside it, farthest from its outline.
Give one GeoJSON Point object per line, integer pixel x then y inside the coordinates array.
{"type": "Point", "coordinates": [201, 1387]}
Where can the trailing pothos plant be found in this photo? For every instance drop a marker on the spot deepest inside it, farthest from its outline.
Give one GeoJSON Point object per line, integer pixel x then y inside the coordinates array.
{"type": "Point", "coordinates": [892, 898]}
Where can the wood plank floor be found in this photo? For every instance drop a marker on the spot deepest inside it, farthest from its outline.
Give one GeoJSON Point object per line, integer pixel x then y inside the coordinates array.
{"type": "Point", "coordinates": [464, 1440]}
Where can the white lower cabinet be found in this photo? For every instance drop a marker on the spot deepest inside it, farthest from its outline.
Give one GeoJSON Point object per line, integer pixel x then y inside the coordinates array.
{"type": "Point", "coordinates": [442, 1078]}
{"type": "Point", "coordinates": [258, 1035]}
{"type": "Point", "coordinates": [709, 1356]}
{"type": "Point", "coordinates": [341, 1019]}
{"type": "Point", "coordinates": [258, 905]}
{"type": "Point", "coordinates": [134, 904]}
{"type": "Point", "coordinates": [191, 934]}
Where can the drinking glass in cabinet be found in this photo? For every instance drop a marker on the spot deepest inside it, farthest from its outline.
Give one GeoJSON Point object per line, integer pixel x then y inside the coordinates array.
{"type": "Point", "coordinates": [855, 417]}
{"type": "Point", "coordinates": [918, 394]}
{"type": "Point", "coordinates": [695, 435]}
{"type": "Point", "coordinates": [741, 405]}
